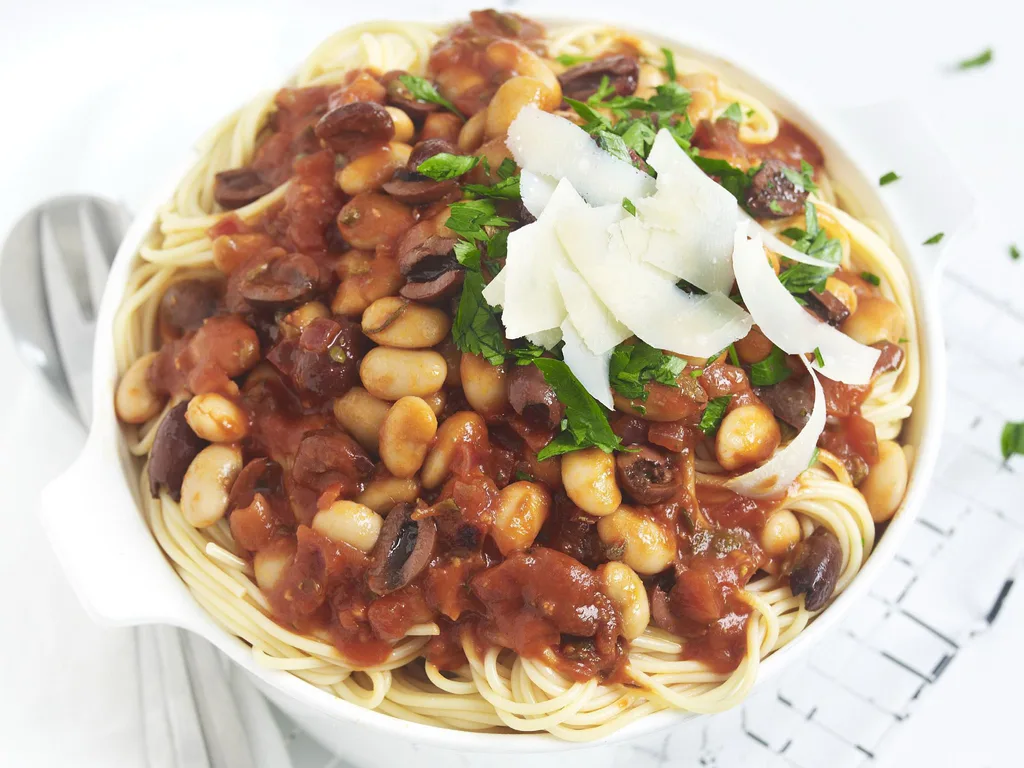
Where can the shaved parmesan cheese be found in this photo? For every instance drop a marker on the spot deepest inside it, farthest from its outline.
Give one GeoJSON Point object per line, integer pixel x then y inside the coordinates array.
{"type": "Point", "coordinates": [775, 475]}
{"type": "Point", "coordinates": [788, 325]}
{"type": "Point", "coordinates": [547, 144]}
{"type": "Point", "coordinates": [536, 190]}
{"type": "Point", "coordinates": [591, 318]}
{"type": "Point", "coordinates": [547, 339]}
{"type": "Point", "coordinates": [776, 245]}
{"type": "Point", "coordinates": [532, 300]}
{"type": "Point", "coordinates": [494, 291]}
{"type": "Point", "coordinates": [632, 237]}
{"type": "Point", "coordinates": [697, 215]}
{"type": "Point", "coordinates": [591, 370]}
{"type": "Point", "coordinates": [643, 300]}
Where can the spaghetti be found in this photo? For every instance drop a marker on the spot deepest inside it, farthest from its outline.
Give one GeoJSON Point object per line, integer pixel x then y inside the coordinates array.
{"type": "Point", "coordinates": [490, 686]}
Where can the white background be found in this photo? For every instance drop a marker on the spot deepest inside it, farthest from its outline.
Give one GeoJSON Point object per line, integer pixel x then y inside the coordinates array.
{"type": "Point", "coordinates": [105, 97]}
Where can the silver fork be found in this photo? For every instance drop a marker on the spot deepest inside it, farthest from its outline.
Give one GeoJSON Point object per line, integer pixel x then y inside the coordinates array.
{"type": "Point", "coordinates": [53, 268]}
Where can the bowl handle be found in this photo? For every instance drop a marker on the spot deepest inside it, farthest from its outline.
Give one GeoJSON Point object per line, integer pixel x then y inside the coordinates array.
{"type": "Point", "coordinates": [111, 559]}
{"type": "Point", "coordinates": [931, 195]}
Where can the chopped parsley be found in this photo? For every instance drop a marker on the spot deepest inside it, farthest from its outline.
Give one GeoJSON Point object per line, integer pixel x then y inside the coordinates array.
{"type": "Point", "coordinates": [1012, 441]}
{"type": "Point", "coordinates": [733, 112]}
{"type": "Point", "coordinates": [714, 414]}
{"type": "Point", "coordinates": [469, 217]}
{"type": "Point", "coordinates": [936, 238]}
{"type": "Point", "coordinates": [813, 461]}
{"type": "Point", "coordinates": [585, 424]}
{"type": "Point", "coordinates": [871, 277]}
{"type": "Point", "coordinates": [1014, 252]}
{"type": "Point", "coordinates": [802, 179]}
{"type": "Point", "coordinates": [670, 64]}
{"type": "Point", "coordinates": [424, 90]}
{"type": "Point", "coordinates": [980, 60]}
{"type": "Point", "coordinates": [632, 366]}
{"type": "Point", "coordinates": [814, 241]}
{"type": "Point", "coordinates": [733, 179]}
{"type": "Point", "coordinates": [771, 370]}
{"type": "Point", "coordinates": [818, 359]}
{"type": "Point", "coordinates": [774, 206]}
{"type": "Point", "coordinates": [444, 166]}
{"type": "Point", "coordinates": [527, 353]}
{"type": "Point", "coordinates": [888, 178]}
{"type": "Point", "coordinates": [569, 60]}
{"type": "Point", "coordinates": [506, 188]}
{"type": "Point", "coordinates": [521, 475]}
{"type": "Point", "coordinates": [477, 329]}
{"type": "Point", "coordinates": [628, 206]}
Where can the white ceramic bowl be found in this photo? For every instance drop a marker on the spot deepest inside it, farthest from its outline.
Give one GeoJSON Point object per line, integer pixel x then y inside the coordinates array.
{"type": "Point", "coordinates": [122, 577]}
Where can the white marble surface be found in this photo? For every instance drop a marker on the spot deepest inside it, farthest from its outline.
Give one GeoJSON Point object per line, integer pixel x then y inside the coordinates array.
{"type": "Point", "coordinates": [104, 96]}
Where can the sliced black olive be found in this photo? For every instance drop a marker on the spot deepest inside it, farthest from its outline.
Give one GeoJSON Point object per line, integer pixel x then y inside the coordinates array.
{"type": "Point", "coordinates": [403, 550]}
{"type": "Point", "coordinates": [278, 280]}
{"type": "Point", "coordinates": [174, 447]}
{"type": "Point", "coordinates": [351, 126]}
{"type": "Point", "coordinates": [816, 568]}
{"type": "Point", "coordinates": [258, 476]}
{"type": "Point", "coordinates": [415, 189]}
{"type": "Point", "coordinates": [327, 455]}
{"type": "Point", "coordinates": [582, 81]}
{"type": "Point", "coordinates": [187, 303]}
{"type": "Point", "coordinates": [772, 193]}
{"type": "Point", "coordinates": [828, 307]}
{"type": "Point", "coordinates": [239, 186]}
{"type": "Point", "coordinates": [791, 400]}
{"type": "Point", "coordinates": [439, 288]}
{"type": "Point", "coordinates": [647, 474]}
{"type": "Point", "coordinates": [533, 398]}
{"type": "Point", "coordinates": [401, 97]}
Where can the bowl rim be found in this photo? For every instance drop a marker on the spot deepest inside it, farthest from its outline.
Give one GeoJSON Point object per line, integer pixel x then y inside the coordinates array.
{"type": "Point", "coordinates": [930, 400]}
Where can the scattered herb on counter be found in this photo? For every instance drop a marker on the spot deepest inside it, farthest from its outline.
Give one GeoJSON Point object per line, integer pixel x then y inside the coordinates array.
{"type": "Point", "coordinates": [444, 166]}
{"type": "Point", "coordinates": [1014, 252]}
{"type": "Point", "coordinates": [1012, 441]}
{"type": "Point", "coordinates": [714, 414]}
{"type": "Point", "coordinates": [670, 64]}
{"type": "Point", "coordinates": [771, 370]}
{"type": "Point", "coordinates": [628, 206]}
{"type": "Point", "coordinates": [871, 277]}
{"type": "Point", "coordinates": [585, 422]}
{"type": "Point", "coordinates": [936, 238]}
{"type": "Point", "coordinates": [980, 60]}
{"type": "Point", "coordinates": [888, 178]}
{"type": "Point", "coordinates": [733, 112]}
{"type": "Point", "coordinates": [632, 366]}
{"type": "Point", "coordinates": [424, 90]}
{"type": "Point", "coordinates": [569, 60]}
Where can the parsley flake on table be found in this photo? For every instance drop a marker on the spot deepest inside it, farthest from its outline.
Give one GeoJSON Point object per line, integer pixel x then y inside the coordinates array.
{"type": "Point", "coordinates": [632, 366]}
{"type": "Point", "coordinates": [888, 178]}
{"type": "Point", "coordinates": [424, 90]}
{"type": "Point", "coordinates": [771, 370]}
{"type": "Point", "coordinates": [1012, 441]}
{"type": "Point", "coordinates": [1014, 252]}
{"type": "Point", "coordinates": [936, 238]}
{"type": "Point", "coordinates": [980, 60]}
{"type": "Point", "coordinates": [586, 424]}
